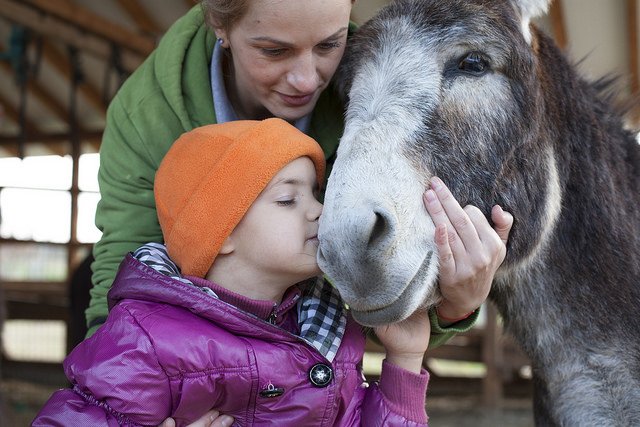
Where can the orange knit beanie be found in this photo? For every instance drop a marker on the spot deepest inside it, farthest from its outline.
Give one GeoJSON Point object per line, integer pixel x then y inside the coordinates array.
{"type": "Point", "coordinates": [210, 177]}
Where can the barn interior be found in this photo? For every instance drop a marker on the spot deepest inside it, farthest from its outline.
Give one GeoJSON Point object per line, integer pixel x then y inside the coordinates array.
{"type": "Point", "coordinates": [61, 61]}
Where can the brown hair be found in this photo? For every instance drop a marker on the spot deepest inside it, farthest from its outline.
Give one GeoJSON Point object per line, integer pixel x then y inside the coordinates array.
{"type": "Point", "coordinates": [223, 13]}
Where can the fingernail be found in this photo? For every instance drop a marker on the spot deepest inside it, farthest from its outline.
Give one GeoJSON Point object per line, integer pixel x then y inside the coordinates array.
{"type": "Point", "coordinates": [436, 183]}
{"type": "Point", "coordinates": [430, 195]}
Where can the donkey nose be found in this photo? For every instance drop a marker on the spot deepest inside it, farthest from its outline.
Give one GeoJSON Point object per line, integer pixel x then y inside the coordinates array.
{"type": "Point", "coordinates": [366, 232]}
{"type": "Point", "coordinates": [376, 228]}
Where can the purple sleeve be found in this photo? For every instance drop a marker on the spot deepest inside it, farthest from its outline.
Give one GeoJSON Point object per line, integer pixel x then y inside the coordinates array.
{"type": "Point", "coordinates": [398, 399]}
{"type": "Point", "coordinates": [116, 376]}
{"type": "Point", "coordinates": [67, 408]}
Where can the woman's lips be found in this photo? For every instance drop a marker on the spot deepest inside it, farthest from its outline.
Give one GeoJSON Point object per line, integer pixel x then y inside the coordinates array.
{"type": "Point", "coordinates": [296, 100]}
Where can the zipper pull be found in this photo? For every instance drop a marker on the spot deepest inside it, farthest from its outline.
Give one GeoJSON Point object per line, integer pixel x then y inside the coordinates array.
{"type": "Point", "coordinates": [273, 316]}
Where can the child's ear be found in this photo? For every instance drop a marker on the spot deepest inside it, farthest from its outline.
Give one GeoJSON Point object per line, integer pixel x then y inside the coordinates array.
{"type": "Point", "coordinates": [227, 246]}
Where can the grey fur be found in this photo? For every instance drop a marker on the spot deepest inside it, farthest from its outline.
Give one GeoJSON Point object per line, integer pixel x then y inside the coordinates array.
{"type": "Point", "coordinates": [527, 133]}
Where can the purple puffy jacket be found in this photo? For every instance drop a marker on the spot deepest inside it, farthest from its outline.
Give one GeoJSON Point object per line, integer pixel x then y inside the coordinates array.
{"type": "Point", "coordinates": [170, 350]}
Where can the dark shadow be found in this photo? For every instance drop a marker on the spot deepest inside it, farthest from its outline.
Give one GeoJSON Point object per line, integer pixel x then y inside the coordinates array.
{"type": "Point", "coordinates": [79, 286]}
{"type": "Point", "coordinates": [3, 406]}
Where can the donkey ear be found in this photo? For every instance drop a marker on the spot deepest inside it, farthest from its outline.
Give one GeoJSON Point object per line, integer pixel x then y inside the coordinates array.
{"type": "Point", "coordinates": [528, 10]}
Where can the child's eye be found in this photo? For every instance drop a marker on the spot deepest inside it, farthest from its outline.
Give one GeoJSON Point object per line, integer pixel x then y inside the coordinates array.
{"type": "Point", "coordinates": [287, 202]}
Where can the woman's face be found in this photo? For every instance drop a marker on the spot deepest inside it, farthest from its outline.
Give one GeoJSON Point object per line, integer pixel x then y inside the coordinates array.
{"type": "Point", "coordinates": [284, 53]}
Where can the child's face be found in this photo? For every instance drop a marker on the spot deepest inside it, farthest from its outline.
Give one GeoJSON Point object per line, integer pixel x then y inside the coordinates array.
{"type": "Point", "coordinates": [278, 236]}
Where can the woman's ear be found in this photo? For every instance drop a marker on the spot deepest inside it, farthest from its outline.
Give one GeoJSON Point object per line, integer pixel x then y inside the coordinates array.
{"type": "Point", "coordinates": [227, 246]}
{"type": "Point", "coordinates": [221, 35]}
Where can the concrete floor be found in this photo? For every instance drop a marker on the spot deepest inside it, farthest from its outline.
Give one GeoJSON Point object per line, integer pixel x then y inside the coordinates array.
{"type": "Point", "coordinates": [468, 412]}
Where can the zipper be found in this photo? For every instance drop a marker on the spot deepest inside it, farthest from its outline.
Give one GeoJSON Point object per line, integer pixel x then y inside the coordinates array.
{"type": "Point", "coordinates": [277, 309]}
{"type": "Point", "coordinates": [274, 314]}
{"type": "Point", "coordinates": [271, 321]}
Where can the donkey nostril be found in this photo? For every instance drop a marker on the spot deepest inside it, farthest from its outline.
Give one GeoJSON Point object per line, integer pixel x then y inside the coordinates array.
{"type": "Point", "coordinates": [378, 230]}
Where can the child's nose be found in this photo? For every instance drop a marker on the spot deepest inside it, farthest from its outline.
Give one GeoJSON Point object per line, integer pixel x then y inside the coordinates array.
{"type": "Point", "coordinates": [315, 211]}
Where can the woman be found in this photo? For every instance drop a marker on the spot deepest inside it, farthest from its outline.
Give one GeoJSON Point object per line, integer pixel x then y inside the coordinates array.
{"type": "Point", "coordinates": [248, 59]}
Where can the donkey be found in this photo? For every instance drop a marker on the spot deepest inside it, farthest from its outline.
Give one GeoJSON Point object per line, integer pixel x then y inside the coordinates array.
{"type": "Point", "coordinates": [473, 92]}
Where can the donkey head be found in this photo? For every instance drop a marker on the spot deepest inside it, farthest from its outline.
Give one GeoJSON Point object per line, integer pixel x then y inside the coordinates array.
{"type": "Point", "coordinates": [434, 87]}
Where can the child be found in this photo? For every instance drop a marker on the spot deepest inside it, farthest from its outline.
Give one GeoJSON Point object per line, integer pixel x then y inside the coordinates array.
{"type": "Point", "coordinates": [241, 322]}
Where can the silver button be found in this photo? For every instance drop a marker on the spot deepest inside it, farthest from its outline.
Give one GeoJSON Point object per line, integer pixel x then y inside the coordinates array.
{"type": "Point", "coordinates": [320, 375]}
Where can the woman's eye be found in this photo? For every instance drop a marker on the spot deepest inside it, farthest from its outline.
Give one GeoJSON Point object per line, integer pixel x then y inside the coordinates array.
{"type": "Point", "coordinates": [329, 45]}
{"type": "Point", "coordinates": [273, 51]}
{"type": "Point", "coordinates": [473, 63]}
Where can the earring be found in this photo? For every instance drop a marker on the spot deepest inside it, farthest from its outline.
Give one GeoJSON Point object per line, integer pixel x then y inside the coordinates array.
{"type": "Point", "coordinates": [221, 41]}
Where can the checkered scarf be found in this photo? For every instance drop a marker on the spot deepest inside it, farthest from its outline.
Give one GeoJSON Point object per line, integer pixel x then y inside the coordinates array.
{"type": "Point", "coordinates": [322, 317]}
{"type": "Point", "coordinates": [321, 312]}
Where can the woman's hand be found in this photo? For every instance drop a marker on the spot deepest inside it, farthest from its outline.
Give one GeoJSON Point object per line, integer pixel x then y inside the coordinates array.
{"type": "Point", "coordinates": [406, 342]}
{"type": "Point", "coordinates": [470, 250]}
{"type": "Point", "coordinates": [212, 418]}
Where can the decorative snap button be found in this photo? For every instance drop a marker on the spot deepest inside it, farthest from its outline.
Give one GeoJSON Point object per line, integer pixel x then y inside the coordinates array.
{"type": "Point", "coordinates": [320, 375]}
{"type": "Point", "coordinates": [271, 391]}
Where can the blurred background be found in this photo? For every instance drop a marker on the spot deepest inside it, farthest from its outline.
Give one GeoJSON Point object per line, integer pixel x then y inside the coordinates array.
{"type": "Point", "coordinates": [61, 61]}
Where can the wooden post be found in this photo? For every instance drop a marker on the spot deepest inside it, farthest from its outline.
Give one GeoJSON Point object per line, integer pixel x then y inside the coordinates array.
{"type": "Point", "coordinates": [632, 34]}
{"type": "Point", "coordinates": [492, 356]}
{"type": "Point", "coordinates": [557, 23]}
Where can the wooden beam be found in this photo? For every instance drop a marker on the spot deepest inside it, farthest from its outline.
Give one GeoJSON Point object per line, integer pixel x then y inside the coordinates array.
{"type": "Point", "coordinates": [43, 96]}
{"type": "Point", "coordinates": [58, 143]}
{"type": "Point", "coordinates": [55, 28]}
{"type": "Point", "coordinates": [13, 114]}
{"type": "Point", "coordinates": [49, 101]}
{"type": "Point", "coordinates": [35, 89]}
{"type": "Point", "coordinates": [49, 374]}
{"type": "Point", "coordinates": [90, 22]}
{"type": "Point", "coordinates": [55, 143]}
{"type": "Point", "coordinates": [52, 138]}
{"type": "Point", "coordinates": [42, 149]}
{"type": "Point", "coordinates": [60, 63]}
{"type": "Point", "coordinates": [558, 24]}
{"type": "Point", "coordinates": [632, 36]}
{"type": "Point", "coordinates": [27, 290]}
{"type": "Point", "coordinates": [492, 357]}
{"type": "Point", "coordinates": [141, 17]}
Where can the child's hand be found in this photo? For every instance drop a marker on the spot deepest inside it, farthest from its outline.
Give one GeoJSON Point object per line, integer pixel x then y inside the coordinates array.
{"type": "Point", "coordinates": [470, 250]}
{"type": "Point", "coordinates": [212, 418]}
{"type": "Point", "coordinates": [406, 341]}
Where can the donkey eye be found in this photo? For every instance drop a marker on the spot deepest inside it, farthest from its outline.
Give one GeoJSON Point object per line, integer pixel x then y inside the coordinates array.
{"type": "Point", "coordinates": [474, 63]}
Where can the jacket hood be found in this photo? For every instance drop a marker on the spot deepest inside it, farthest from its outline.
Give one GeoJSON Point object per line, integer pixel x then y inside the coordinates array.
{"type": "Point", "coordinates": [139, 281]}
{"type": "Point", "coordinates": [180, 67]}
{"type": "Point", "coordinates": [148, 274]}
